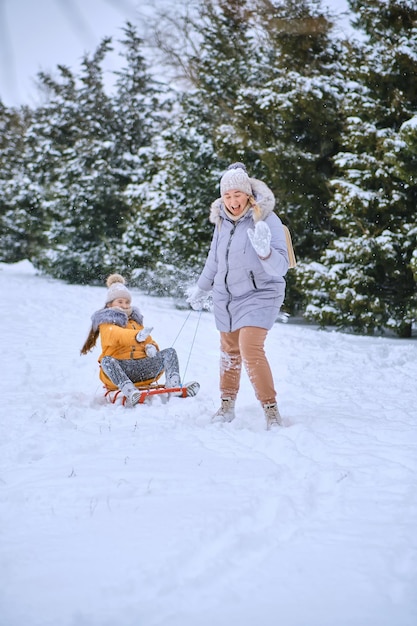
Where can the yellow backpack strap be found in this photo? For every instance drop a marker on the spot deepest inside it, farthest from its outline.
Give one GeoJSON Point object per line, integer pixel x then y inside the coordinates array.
{"type": "Point", "coordinates": [291, 253]}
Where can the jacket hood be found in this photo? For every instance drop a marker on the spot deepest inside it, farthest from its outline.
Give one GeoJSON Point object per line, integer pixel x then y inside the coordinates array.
{"type": "Point", "coordinates": [262, 194]}
{"type": "Point", "coordinates": [110, 315]}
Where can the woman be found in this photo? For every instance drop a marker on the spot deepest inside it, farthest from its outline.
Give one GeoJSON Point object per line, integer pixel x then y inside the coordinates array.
{"type": "Point", "coordinates": [245, 270]}
{"type": "Point", "coordinates": [129, 355]}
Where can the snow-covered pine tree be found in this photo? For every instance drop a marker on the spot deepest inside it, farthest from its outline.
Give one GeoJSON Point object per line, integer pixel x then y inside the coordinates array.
{"type": "Point", "coordinates": [85, 196]}
{"type": "Point", "coordinates": [267, 84]}
{"type": "Point", "coordinates": [215, 68]}
{"type": "Point", "coordinates": [403, 157]}
{"type": "Point", "coordinates": [209, 52]}
{"type": "Point", "coordinates": [143, 108]}
{"type": "Point", "coordinates": [22, 215]}
{"type": "Point", "coordinates": [181, 191]}
{"type": "Point", "coordinates": [364, 281]}
{"type": "Point", "coordinates": [289, 120]}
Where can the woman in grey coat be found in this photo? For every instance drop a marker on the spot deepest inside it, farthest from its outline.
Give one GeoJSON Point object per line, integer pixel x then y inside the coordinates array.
{"type": "Point", "coordinates": [245, 271]}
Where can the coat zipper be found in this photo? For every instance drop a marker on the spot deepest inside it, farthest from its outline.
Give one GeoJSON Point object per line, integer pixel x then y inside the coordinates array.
{"type": "Point", "coordinates": [232, 232]}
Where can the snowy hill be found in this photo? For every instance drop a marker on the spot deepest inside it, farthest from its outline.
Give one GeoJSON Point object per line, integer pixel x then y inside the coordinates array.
{"type": "Point", "coordinates": [153, 516]}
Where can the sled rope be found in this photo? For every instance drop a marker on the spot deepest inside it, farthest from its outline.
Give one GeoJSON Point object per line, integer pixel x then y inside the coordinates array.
{"type": "Point", "coordinates": [173, 343]}
{"type": "Point", "coordinates": [180, 330]}
{"type": "Point", "coordinates": [192, 342]}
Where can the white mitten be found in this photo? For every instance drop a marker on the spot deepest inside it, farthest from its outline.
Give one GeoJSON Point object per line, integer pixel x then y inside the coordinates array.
{"type": "Point", "coordinates": [144, 333]}
{"type": "Point", "coordinates": [150, 350]}
{"type": "Point", "coordinates": [197, 299]}
{"type": "Point", "coordinates": [260, 238]}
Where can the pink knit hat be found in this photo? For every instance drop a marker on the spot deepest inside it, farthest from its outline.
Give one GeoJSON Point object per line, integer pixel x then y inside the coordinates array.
{"type": "Point", "coordinates": [117, 288]}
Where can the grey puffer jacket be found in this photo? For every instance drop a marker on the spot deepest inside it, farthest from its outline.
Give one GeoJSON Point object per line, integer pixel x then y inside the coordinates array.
{"type": "Point", "coordinates": [246, 290]}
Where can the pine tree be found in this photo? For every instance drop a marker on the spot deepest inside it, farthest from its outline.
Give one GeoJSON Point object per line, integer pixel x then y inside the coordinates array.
{"type": "Point", "coordinates": [403, 158]}
{"type": "Point", "coordinates": [86, 196]}
{"type": "Point", "coordinates": [365, 280]}
{"type": "Point", "coordinates": [183, 189]}
{"type": "Point", "coordinates": [266, 88]}
{"type": "Point", "coordinates": [86, 161]}
{"type": "Point", "coordinates": [99, 147]}
{"type": "Point", "coordinates": [143, 110]}
{"type": "Point", "coordinates": [289, 122]}
{"type": "Point", "coordinates": [186, 182]}
{"type": "Point", "coordinates": [22, 215]}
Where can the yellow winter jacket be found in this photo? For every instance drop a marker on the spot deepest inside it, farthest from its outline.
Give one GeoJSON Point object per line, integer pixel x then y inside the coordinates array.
{"type": "Point", "coordinates": [118, 338]}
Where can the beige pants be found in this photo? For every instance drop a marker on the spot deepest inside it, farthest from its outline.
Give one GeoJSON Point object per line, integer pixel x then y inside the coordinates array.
{"type": "Point", "coordinates": [245, 345]}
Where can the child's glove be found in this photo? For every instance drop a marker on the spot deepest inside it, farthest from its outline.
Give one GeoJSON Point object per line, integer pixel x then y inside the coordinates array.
{"type": "Point", "coordinates": [150, 350]}
{"type": "Point", "coordinates": [260, 239]}
{"type": "Point", "coordinates": [144, 333]}
{"type": "Point", "coordinates": [198, 299]}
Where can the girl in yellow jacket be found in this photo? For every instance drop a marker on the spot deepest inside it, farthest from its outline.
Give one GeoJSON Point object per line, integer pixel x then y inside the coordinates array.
{"type": "Point", "coordinates": [129, 355]}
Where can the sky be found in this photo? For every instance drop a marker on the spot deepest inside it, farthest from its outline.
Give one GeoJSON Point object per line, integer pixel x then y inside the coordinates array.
{"type": "Point", "coordinates": [154, 516]}
{"type": "Point", "coordinates": [40, 35]}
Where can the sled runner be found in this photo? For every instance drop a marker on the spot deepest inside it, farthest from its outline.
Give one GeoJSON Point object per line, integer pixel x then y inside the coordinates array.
{"type": "Point", "coordinates": [115, 396]}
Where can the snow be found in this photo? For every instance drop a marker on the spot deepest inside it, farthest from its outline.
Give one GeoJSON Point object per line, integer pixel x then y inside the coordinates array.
{"type": "Point", "coordinates": [409, 125]}
{"type": "Point", "coordinates": [154, 516]}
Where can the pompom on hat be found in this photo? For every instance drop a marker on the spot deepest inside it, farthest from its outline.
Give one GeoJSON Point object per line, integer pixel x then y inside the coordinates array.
{"type": "Point", "coordinates": [117, 288]}
{"type": "Point", "coordinates": [235, 177]}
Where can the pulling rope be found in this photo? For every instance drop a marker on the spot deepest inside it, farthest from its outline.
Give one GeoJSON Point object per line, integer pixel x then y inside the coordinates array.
{"type": "Point", "coordinates": [192, 342]}
{"type": "Point", "coordinates": [180, 330]}
{"type": "Point", "coordinates": [154, 380]}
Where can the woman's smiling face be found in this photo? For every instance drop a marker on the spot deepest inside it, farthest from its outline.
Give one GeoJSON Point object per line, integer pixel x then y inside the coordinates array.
{"type": "Point", "coordinates": [235, 201]}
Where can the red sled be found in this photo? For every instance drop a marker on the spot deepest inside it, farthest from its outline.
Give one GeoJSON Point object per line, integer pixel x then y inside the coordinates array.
{"type": "Point", "coordinates": [115, 396]}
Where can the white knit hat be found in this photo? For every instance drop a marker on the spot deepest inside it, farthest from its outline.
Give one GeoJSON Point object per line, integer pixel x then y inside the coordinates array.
{"type": "Point", "coordinates": [237, 178]}
{"type": "Point", "coordinates": [117, 288]}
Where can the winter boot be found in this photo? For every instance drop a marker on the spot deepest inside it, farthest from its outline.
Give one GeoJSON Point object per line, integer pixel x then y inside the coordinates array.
{"type": "Point", "coordinates": [226, 412]}
{"type": "Point", "coordinates": [131, 393]}
{"type": "Point", "coordinates": [273, 418]}
{"type": "Point", "coordinates": [173, 380]}
{"type": "Point", "coordinates": [192, 388]}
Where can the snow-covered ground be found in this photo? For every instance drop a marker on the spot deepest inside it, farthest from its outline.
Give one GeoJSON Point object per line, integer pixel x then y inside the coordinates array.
{"type": "Point", "coordinates": [153, 516]}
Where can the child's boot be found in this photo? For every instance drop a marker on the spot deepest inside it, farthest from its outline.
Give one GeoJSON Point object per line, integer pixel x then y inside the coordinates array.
{"type": "Point", "coordinates": [191, 389]}
{"type": "Point", "coordinates": [131, 393]}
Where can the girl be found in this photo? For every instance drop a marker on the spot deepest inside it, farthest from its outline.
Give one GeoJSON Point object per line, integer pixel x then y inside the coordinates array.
{"type": "Point", "coordinates": [128, 353]}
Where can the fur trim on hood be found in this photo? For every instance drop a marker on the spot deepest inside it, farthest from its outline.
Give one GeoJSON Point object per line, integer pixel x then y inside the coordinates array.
{"type": "Point", "coordinates": [115, 316]}
{"type": "Point", "coordinates": [261, 192]}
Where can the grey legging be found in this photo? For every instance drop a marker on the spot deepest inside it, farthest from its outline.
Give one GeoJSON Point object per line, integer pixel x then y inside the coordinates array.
{"type": "Point", "coordinates": [123, 371]}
